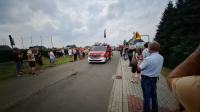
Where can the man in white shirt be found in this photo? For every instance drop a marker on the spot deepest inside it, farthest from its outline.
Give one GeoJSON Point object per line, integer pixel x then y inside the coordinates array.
{"type": "Point", "coordinates": [70, 53]}
{"type": "Point", "coordinates": [150, 71]}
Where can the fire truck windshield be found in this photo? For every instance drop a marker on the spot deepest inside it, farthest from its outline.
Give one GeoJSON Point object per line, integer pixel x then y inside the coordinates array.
{"type": "Point", "coordinates": [99, 48]}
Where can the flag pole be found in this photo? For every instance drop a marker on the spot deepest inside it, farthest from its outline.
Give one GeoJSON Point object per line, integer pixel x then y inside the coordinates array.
{"type": "Point", "coordinates": [105, 35]}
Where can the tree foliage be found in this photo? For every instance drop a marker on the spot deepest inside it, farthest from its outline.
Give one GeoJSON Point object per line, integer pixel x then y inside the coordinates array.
{"type": "Point", "coordinates": [179, 31]}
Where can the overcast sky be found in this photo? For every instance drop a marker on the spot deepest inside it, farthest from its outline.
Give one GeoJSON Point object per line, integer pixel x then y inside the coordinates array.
{"type": "Point", "coordinates": [80, 22]}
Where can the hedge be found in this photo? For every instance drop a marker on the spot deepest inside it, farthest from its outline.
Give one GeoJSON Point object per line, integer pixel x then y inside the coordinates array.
{"type": "Point", "coordinates": [7, 55]}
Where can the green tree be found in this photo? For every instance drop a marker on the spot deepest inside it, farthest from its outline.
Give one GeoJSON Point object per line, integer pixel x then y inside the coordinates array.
{"type": "Point", "coordinates": [164, 31]}
{"type": "Point", "coordinates": [178, 31]}
{"type": "Point", "coordinates": [186, 30]}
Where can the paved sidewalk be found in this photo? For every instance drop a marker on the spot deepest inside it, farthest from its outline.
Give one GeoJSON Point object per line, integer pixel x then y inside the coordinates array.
{"type": "Point", "coordinates": [127, 96]}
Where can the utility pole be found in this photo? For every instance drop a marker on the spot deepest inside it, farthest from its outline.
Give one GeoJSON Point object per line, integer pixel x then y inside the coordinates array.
{"type": "Point", "coordinates": [22, 42]}
{"type": "Point", "coordinates": [51, 41]}
{"type": "Point", "coordinates": [41, 40]}
{"type": "Point", "coordinates": [4, 41]}
{"type": "Point", "coordinates": [31, 42]}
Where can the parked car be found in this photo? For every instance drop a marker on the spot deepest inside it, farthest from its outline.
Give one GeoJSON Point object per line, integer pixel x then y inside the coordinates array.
{"type": "Point", "coordinates": [100, 54]}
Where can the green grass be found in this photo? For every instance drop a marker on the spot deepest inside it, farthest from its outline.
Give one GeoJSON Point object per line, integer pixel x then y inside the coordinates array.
{"type": "Point", "coordinates": [7, 70]}
{"type": "Point", "coordinates": [165, 71]}
{"type": "Point", "coordinates": [58, 61]}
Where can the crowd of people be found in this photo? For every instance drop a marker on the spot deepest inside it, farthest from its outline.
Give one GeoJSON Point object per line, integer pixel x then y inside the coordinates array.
{"type": "Point", "coordinates": [184, 80]}
{"type": "Point", "coordinates": [135, 55]}
{"type": "Point", "coordinates": [35, 60]}
{"type": "Point", "coordinates": [75, 53]}
{"type": "Point", "coordinates": [146, 64]}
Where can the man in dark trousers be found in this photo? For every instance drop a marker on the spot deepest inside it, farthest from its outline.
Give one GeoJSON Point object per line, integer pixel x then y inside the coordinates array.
{"type": "Point", "coordinates": [130, 55]}
{"type": "Point", "coordinates": [18, 61]}
{"type": "Point", "coordinates": [150, 71]}
{"type": "Point", "coordinates": [75, 54]}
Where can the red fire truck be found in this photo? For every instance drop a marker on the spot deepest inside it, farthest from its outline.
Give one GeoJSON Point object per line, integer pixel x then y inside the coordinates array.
{"type": "Point", "coordinates": [100, 54]}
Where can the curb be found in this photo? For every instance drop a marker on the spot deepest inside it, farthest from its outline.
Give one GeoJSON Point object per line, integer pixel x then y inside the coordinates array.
{"type": "Point", "coordinates": [118, 99]}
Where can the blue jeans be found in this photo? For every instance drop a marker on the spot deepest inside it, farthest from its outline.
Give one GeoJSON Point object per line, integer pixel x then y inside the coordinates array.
{"type": "Point", "coordinates": [125, 56]}
{"type": "Point", "coordinates": [149, 94]}
{"type": "Point", "coordinates": [18, 66]}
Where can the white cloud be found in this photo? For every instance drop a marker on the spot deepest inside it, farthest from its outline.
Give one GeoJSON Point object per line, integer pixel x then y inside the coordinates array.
{"type": "Point", "coordinates": [80, 22]}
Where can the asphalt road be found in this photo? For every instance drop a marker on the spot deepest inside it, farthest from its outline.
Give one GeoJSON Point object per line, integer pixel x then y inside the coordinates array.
{"type": "Point", "coordinates": [87, 90]}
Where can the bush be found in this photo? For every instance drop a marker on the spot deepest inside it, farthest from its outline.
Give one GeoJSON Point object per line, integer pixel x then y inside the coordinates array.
{"type": "Point", "coordinates": [6, 55]}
